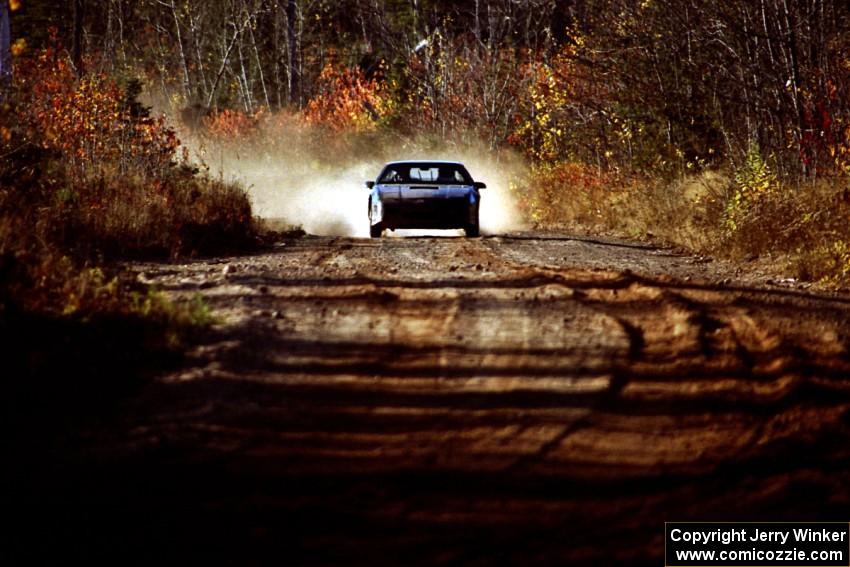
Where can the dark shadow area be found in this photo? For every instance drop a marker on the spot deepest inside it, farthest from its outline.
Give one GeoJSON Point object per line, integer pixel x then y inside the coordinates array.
{"type": "Point", "coordinates": [63, 359]}
{"type": "Point", "coordinates": [188, 500]}
{"type": "Point", "coordinates": [62, 375]}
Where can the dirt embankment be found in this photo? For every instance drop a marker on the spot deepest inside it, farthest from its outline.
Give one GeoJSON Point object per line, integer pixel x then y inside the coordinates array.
{"type": "Point", "coordinates": [527, 399]}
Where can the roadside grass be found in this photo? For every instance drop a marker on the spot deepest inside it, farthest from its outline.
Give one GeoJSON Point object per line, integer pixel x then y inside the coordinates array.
{"type": "Point", "coordinates": [69, 314]}
{"type": "Point", "coordinates": [799, 228]}
{"type": "Point", "coordinates": [183, 216]}
{"type": "Point", "coordinates": [89, 179]}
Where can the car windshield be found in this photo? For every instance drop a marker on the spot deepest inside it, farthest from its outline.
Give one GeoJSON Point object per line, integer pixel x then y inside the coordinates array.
{"type": "Point", "coordinates": [447, 173]}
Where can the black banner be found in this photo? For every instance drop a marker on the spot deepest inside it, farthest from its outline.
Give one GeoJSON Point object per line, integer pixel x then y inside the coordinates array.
{"type": "Point", "coordinates": [768, 544]}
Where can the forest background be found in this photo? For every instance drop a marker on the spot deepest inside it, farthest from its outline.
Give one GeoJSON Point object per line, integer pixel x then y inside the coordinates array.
{"type": "Point", "coordinates": [721, 127]}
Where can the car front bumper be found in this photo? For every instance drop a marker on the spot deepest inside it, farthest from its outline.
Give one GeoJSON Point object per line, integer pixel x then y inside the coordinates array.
{"type": "Point", "coordinates": [428, 213]}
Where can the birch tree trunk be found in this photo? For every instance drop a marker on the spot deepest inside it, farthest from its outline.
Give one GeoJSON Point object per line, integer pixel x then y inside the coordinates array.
{"type": "Point", "coordinates": [184, 59]}
{"type": "Point", "coordinates": [293, 71]}
{"type": "Point", "coordinates": [77, 49]}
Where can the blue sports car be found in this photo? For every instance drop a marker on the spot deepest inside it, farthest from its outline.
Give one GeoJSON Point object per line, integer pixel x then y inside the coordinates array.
{"type": "Point", "coordinates": [424, 194]}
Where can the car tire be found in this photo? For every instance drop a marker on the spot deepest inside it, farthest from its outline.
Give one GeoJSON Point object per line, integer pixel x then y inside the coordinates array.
{"type": "Point", "coordinates": [472, 229]}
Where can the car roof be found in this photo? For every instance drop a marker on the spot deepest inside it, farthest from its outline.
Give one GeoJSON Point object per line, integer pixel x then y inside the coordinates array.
{"type": "Point", "coordinates": [415, 161]}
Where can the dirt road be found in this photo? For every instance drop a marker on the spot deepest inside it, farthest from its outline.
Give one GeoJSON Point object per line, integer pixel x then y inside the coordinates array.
{"type": "Point", "coordinates": [524, 399]}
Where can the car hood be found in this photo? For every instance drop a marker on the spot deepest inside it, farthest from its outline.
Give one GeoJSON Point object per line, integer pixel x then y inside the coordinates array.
{"type": "Point", "coordinates": [424, 191]}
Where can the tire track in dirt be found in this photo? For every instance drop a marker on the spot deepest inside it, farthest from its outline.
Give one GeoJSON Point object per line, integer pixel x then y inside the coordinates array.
{"type": "Point", "coordinates": [689, 336]}
{"type": "Point", "coordinates": [527, 398]}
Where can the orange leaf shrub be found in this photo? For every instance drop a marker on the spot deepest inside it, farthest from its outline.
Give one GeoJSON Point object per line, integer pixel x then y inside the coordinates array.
{"type": "Point", "coordinates": [89, 120]}
{"type": "Point", "coordinates": [348, 100]}
{"type": "Point", "coordinates": [232, 125]}
{"type": "Point", "coordinates": [94, 176]}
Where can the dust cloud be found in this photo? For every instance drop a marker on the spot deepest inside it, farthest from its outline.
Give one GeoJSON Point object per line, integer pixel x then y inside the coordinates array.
{"type": "Point", "coordinates": [321, 200]}
{"type": "Point", "coordinates": [321, 188]}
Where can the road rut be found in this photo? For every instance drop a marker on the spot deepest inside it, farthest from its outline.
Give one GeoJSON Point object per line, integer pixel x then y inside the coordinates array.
{"type": "Point", "coordinates": [532, 398]}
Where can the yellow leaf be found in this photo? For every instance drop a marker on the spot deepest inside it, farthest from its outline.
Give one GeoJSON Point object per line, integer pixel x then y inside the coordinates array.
{"type": "Point", "coordinates": [18, 47]}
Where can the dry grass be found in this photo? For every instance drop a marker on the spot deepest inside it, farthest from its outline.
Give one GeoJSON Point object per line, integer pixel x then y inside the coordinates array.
{"type": "Point", "coordinates": [57, 301]}
{"type": "Point", "coordinates": [802, 227]}
{"type": "Point", "coordinates": [124, 218]}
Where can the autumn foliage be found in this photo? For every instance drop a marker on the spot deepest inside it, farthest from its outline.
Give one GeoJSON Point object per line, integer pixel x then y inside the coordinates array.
{"type": "Point", "coordinates": [91, 176]}
{"type": "Point", "coordinates": [232, 125]}
{"type": "Point", "coordinates": [89, 120]}
{"type": "Point", "coordinates": [631, 95]}
{"type": "Point", "coordinates": [348, 100]}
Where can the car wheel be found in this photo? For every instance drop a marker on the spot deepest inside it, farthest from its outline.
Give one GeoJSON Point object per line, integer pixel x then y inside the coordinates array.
{"type": "Point", "coordinates": [472, 229]}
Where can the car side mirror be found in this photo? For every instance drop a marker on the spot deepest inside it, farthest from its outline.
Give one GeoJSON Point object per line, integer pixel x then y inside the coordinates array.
{"type": "Point", "coordinates": [479, 185]}
{"type": "Point", "coordinates": [370, 184]}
